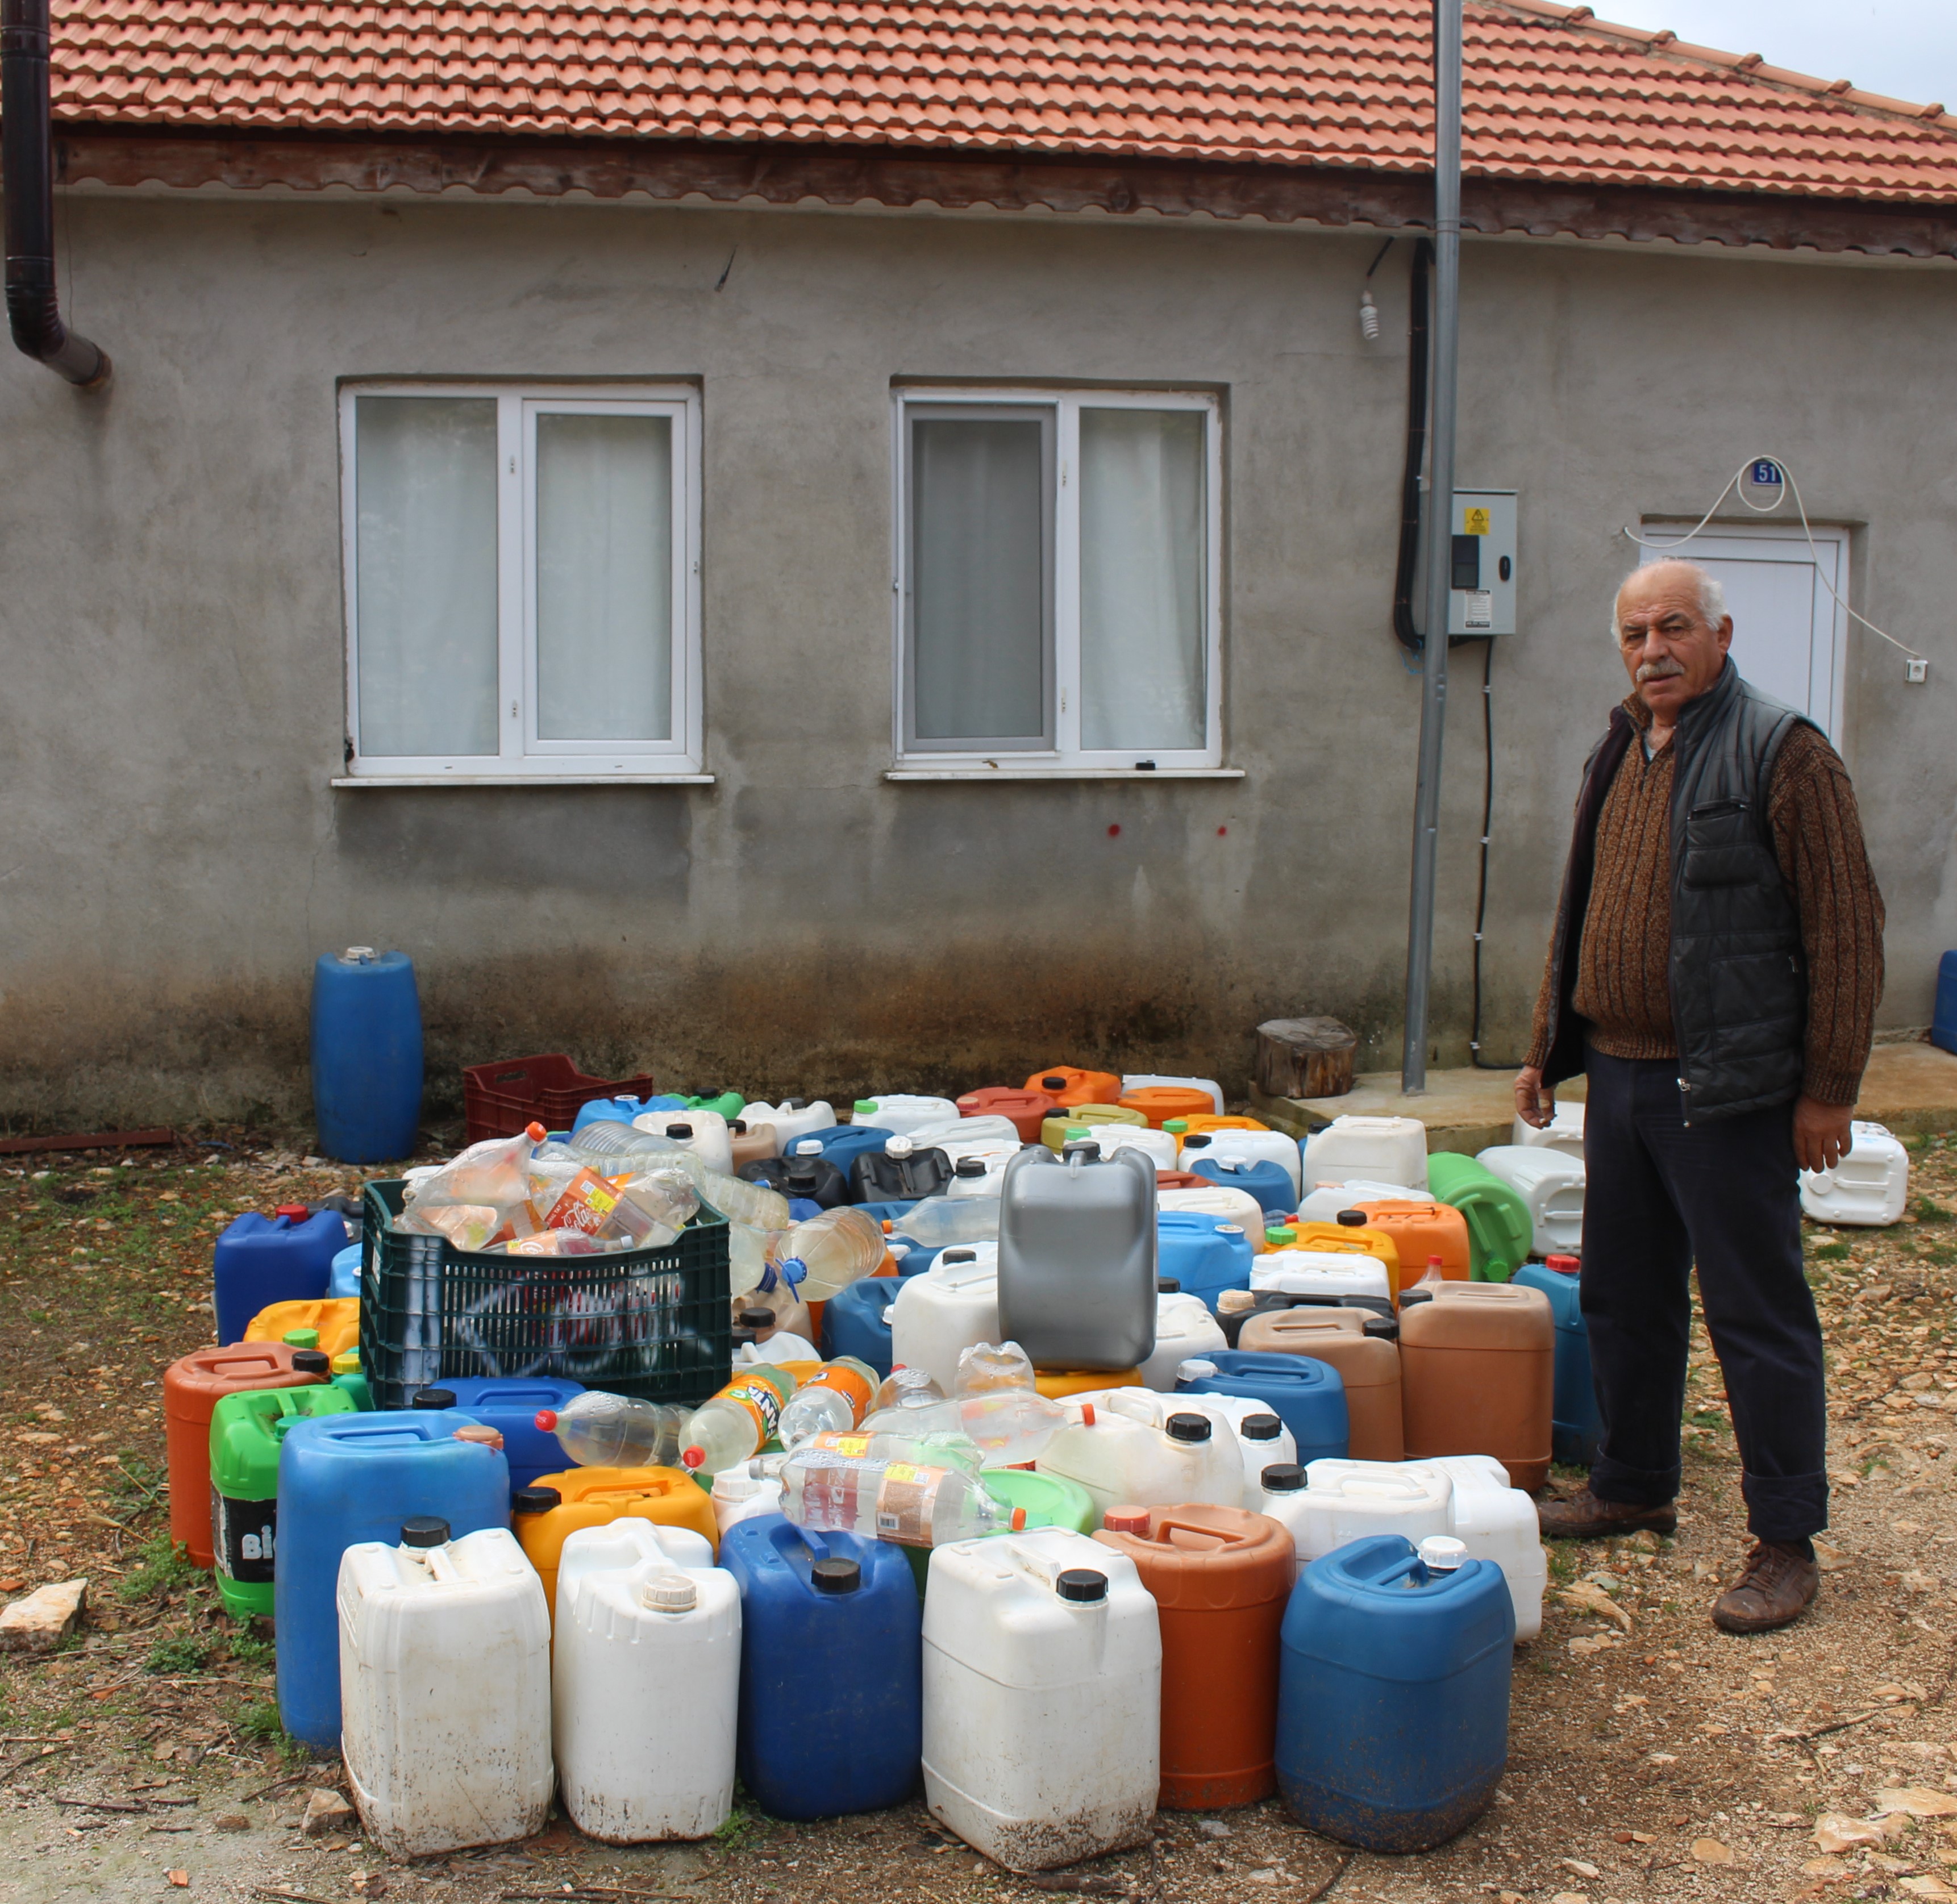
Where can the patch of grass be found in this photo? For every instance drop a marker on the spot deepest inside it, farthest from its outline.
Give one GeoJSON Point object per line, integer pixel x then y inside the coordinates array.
{"type": "Point", "coordinates": [249, 1649]}
{"type": "Point", "coordinates": [160, 1568]}
{"type": "Point", "coordinates": [735, 1829]}
{"type": "Point", "coordinates": [1710, 1418]}
{"type": "Point", "coordinates": [1562, 1561]}
{"type": "Point", "coordinates": [259, 1722]}
{"type": "Point", "coordinates": [1929, 1212]}
{"type": "Point", "coordinates": [1828, 1252]}
{"type": "Point", "coordinates": [139, 1484]}
{"type": "Point", "coordinates": [178, 1655]}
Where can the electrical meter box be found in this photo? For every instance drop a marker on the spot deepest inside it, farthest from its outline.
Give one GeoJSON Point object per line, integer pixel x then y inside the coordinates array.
{"type": "Point", "coordinates": [1482, 557]}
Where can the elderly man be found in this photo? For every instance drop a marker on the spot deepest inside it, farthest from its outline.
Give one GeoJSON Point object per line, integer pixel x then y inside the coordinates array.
{"type": "Point", "coordinates": [1715, 970]}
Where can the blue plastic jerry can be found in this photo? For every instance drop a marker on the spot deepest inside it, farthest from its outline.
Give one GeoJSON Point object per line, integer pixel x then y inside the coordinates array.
{"type": "Point", "coordinates": [831, 1710]}
{"type": "Point", "coordinates": [285, 1258]}
{"type": "Point", "coordinates": [621, 1110]}
{"type": "Point", "coordinates": [1306, 1395]}
{"type": "Point", "coordinates": [509, 1404]}
{"type": "Point", "coordinates": [1575, 1427]}
{"type": "Point", "coordinates": [366, 1055]}
{"type": "Point", "coordinates": [841, 1144]}
{"type": "Point", "coordinates": [1393, 1694]}
{"type": "Point", "coordinates": [856, 1321]}
{"type": "Point", "coordinates": [1205, 1254]}
{"type": "Point", "coordinates": [342, 1277]}
{"type": "Point", "coordinates": [345, 1479]}
{"type": "Point", "coordinates": [1269, 1183]}
{"type": "Point", "coordinates": [1943, 1020]}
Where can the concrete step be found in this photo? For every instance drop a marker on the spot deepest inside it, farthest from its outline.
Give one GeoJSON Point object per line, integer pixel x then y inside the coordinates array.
{"type": "Point", "coordinates": [1912, 1088]}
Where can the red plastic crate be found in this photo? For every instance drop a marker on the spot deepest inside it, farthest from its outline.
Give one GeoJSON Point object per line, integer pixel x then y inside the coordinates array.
{"type": "Point", "coordinates": [500, 1099]}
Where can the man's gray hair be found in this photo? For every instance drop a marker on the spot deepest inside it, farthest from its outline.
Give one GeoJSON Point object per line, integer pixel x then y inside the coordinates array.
{"type": "Point", "coordinates": [1711, 590]}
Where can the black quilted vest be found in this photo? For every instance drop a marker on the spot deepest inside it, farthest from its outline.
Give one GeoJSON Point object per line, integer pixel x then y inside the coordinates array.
{"type": "Point", "coordinates": [1738, 978]}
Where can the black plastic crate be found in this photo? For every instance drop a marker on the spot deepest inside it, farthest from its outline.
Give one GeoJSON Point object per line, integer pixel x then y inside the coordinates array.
{"type": "Point", "coordinates": [653, 1323]}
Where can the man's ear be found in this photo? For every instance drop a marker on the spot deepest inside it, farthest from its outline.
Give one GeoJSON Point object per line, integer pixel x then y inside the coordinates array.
{"type": "Point", "coordinates": [1725, 632]}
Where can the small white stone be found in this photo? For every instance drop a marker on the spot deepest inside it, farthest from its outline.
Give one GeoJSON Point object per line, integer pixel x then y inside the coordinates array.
{"type": "Point", "coordinates": [44, 1619]}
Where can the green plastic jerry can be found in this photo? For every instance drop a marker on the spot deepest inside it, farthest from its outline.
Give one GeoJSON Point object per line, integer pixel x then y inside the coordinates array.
{"type": "Point", "coordinates": [246, 1430]}
{"type": "Point", "coordinates": [1500, 1231]}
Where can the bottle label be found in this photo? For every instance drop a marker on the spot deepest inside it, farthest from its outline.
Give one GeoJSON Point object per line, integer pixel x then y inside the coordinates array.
{"type": "Point", "coordinates": [905, 1502]}
{"type": "Point", "coordinates": [835, 1441]}
{"type": "Point", "coordinates": [243, 1534]}
{"type": "Point", "coordinates": [761, 1398]}
{"type": "Point", "coordinates": [586, 1203]}
{"type": "Point", "coordinates": [849, 1384]}
{"type": "Point", "coordinates": [837, 1486]}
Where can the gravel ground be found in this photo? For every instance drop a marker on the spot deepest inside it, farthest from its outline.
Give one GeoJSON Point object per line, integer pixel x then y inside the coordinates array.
{"type": "Point", "coordinates": [1650, 1757]}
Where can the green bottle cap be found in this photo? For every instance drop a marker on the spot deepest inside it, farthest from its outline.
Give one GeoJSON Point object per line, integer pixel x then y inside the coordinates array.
{"type": "Point", "coordinates": [1279, 1238]}
{"type": "Point", "coordinates": [1079, 1130]}
{"type": "Point", "coordinates": [301, 1338]}
{"type": "Point", "coordinates": [866, 1107]}
{"type": "Point", "coordinates": [1177, 1125]}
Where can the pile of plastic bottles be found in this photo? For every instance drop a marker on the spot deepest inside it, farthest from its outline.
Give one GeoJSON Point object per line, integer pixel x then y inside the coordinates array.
{"type": "Point", "coordinates": [1086, 1449]}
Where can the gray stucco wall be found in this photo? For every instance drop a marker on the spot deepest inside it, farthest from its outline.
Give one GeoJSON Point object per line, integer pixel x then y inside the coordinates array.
{"type": "Point", "coordinates": [175, 857]}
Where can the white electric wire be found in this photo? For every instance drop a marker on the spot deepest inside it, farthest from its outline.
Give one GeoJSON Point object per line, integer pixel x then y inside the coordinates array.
{"type": "Point", "coordinates": [1766, 508]}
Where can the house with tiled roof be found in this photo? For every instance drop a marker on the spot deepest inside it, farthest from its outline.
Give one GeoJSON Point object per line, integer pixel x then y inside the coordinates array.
{"type": "Point", "coordinates": [827, 544]}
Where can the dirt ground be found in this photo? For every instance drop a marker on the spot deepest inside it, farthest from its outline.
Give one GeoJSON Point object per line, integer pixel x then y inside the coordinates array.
{"type": "Point", "coordinates": [1650, 1756]}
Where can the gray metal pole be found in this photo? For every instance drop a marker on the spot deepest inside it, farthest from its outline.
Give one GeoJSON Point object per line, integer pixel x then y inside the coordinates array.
{"type": "Point", "coordinates": [1440, 532]}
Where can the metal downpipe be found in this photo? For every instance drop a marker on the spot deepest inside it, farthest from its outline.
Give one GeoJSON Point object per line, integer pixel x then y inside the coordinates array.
{"type": "Point", "coordinates": [26, 154]}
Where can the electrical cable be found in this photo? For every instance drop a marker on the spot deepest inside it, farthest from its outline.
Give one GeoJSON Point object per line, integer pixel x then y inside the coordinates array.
{"type": "Point", "coordinates": [1408, 636]}
{"type": "Point", "coordinates": [1475, 1057]}
{"type": "Point", "coordinates": [1767, 508]}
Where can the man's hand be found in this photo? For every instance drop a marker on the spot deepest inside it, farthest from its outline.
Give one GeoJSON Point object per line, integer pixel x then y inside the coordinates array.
{"type": "Point", "coordinates": [1535, 1106]}
{"type": "Point", "coordinates": [1821, 1134]}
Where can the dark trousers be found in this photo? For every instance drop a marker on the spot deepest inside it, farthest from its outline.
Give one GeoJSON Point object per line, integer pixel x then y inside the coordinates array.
{"type": "Point", "coordinates": [1661, 1195]}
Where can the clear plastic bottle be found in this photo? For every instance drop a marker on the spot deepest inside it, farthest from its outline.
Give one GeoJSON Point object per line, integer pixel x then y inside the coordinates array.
{"type": "Point", "coordinates": [904, 1387]}
{"type": "Point", "coordinates": [824, 1254]}
{"type": "Point", "coordinates": [598, 1430]}
{"type": "Point", "coordinates": [910, 1504]}
{"type": "Point", "coordinates": [739, 1421]}
{"type": "Point", "coordinates": [938, 1223]}
{"type": "Point", "coordinates": [732, 1197]}
{"type": "Point", "coordinates": [987, 1366]}
{"type": "Point", "coordinates": [832, 1401]}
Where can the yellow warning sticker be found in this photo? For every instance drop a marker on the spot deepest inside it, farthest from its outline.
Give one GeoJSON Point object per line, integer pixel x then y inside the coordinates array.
{"type": "Point", "coordinates": [1474, 522]}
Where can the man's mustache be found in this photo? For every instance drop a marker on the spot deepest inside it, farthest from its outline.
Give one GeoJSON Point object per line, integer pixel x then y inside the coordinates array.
{"type": "Point", "coordinates": [1660, 670]}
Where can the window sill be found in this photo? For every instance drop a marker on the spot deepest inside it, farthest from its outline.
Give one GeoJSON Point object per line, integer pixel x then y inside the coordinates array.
{"type": "Point", "coordinates": [1064, 773]}
{"type": "Point", "coordinates": [523, 780]}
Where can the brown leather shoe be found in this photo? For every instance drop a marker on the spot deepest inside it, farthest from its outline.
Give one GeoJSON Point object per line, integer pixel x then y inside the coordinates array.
{"type": "Point", "coordinates": [1584, 1517]}
{"type": "Point", "coordinates": [1776, 1587]}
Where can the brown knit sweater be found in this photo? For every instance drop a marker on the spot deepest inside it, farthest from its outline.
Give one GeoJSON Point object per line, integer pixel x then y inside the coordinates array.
{"type": "Point", "coordinates": [1622, 989]}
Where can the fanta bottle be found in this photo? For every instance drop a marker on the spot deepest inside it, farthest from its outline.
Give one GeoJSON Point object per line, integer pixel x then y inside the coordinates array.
{"type": "Point", "coordinates": [834, 1399]}
{"type": "Point", "coordinates": [739, 1421]}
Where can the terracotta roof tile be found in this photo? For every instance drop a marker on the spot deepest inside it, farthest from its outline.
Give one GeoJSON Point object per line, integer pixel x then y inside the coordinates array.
{"type": "Point", "coordinates": [1551, 93]}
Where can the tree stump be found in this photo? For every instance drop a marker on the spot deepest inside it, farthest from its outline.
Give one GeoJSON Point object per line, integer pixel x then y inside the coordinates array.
{"type": "Point", "coordinates": [1304, 1058]}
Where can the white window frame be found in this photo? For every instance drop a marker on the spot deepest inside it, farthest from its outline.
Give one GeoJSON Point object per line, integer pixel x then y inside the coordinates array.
{"type": "Point", "coordinates": [1066, 757]}
{"type": "Point", "coordinates": [522, 757]}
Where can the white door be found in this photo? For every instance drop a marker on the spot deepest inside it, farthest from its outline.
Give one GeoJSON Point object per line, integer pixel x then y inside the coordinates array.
{"type": "Point", "coordinates": [1790, 637]}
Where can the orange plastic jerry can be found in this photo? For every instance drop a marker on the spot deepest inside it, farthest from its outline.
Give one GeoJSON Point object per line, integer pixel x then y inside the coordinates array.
{"type": "Point", "coordinates": [1066, 1084]}
{"type": "Point", "coordinates": [1422, 1230]}
{"type": "Point", "coordinates": [1159, 1102]}
{"type": "Point", "coordinates": [596, 1498]}
{"type": "Point", "coordinates": [1478, 1372]}
{"type": "Point", "coordinates": [1368, 1365]}
{"type": "Point", "coordinates": [1210, 1120]}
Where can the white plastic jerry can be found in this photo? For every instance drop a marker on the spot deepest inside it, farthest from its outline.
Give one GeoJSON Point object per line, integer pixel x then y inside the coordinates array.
{"type": "Point", "coordinates": [952, 1307]}
{"type": "Point", "coordinates": [1564, 1132]}
{"type": "Point", "coordinates": [1350, 1500]}
{"type": "Point", "coordinates": [1869, 1187]}
{"type": "Point", "coordinates": [645, 1682]}
{"type": "Point", "coordinates": [1390, 1150]}
{"type": "Point", "coordinates": [1325, 1272]}
{"type": "Point", "coordinates": [1042, 1698]}
{"type": "Point", "coordinates": [704, 1132]}
{"type": "Point", "coordinates": [1322, 1205]}
{"type": "Point", "coordinates": [1158, 1146]}
{"type": "Point", "coordinates": [1551, 1183]}
{"type": "Point", "coordinates": [1495, 1521]}
{"type": "Point", "coordinates": [1252, 1146]}
{"type": "Point", "coordinates": [791, 1117]}
{"type": "Point", "coordinates": [900, 1112]}
{"type": "Point", "coordinates": [1147, 1080]}
{"type": "Point", "coordinates": [1262, 1440]}
{"type": "Point", "coordinates": [444, 1677]}
{"type": "Point", "coordinates": [1147, 1450]}
{"type": "Point", "coordinates": [1184, 1327]}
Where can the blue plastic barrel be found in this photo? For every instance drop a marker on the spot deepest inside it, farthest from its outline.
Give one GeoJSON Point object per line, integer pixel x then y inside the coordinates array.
{"type": "Point", "coordinates": [1306, 1395]}
{"type": "Point", "coordinates": [831, 1712]}
{"type": "Point", "coordinates": [1943, 1023]}
{"type": "Point", "coordinates": [856, 1321]}
{"type": "Point", "coordinates": [366, 1055]}
{"type": "Point", "coordinates": [510, 1404]}
{"type": "Point", "coordinates": [262, 1260]}
{"type": "Point", "coordinates": [1269, 1183]}
{"type": "Point", "coordinates": [1205, 1254]}
{"type": "Point", "coordinates": [1393, 1695]}
{"type": "Point", "coordinates": [1575, 1424]}
{"type": "Point", "coordinates": [345, 1479]}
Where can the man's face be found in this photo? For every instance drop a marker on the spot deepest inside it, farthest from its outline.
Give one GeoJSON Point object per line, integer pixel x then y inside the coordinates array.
{"type": "Point", "coordinates": [1672, 653]}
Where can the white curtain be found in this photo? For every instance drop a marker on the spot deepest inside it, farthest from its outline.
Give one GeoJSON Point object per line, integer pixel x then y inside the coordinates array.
{"type": "Point", "coordinates": [604, 577]}
{"type": "Point", "coordinates": [978, 578]}
{"type": "Point", "coordinates": [424, 566]}
{"type": "Point", "coordinates": [1141, 509]}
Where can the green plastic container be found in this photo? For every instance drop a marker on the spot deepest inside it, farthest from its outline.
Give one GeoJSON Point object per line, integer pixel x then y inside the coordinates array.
{"type": "Point", "coordinates": [346, 1375]}
{"type": "Point", "coordinates": [246, 1430]}
{"type": "Point", "coordinates": [1049, 1500]}
{"type": "Point", "coordinates": [728, 1104]}
{"type": "Point", "coordinates": [1500, 1232]}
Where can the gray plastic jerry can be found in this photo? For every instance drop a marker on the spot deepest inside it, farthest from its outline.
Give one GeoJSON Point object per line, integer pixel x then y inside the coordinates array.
{"type": "Point", "coordinates": [1077, 1258]}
